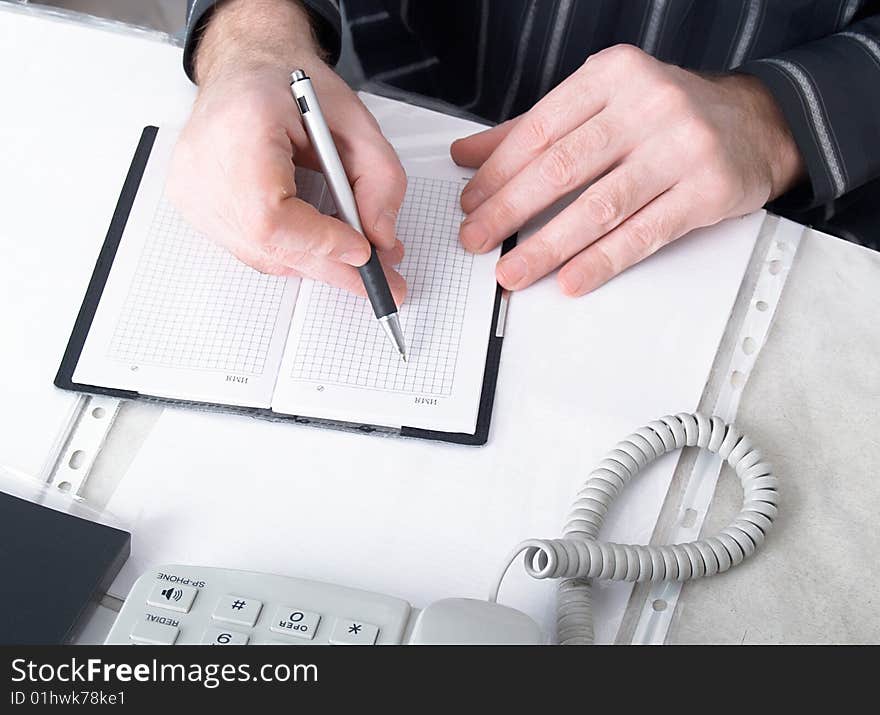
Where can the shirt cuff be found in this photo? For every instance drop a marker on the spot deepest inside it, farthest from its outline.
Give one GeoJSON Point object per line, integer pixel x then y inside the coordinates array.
{"type": "Point", "coordinates": [827, 91]}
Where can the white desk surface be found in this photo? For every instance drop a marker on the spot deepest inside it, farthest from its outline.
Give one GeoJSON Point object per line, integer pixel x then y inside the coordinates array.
{"type": "Point", "coordinates": [812, 399]}
{"type": "Point", "coordinates": [66, 125]}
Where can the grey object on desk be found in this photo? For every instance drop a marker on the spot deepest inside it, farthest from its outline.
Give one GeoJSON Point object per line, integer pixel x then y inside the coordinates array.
{"type": "Point", "coordinates": [813, 401]}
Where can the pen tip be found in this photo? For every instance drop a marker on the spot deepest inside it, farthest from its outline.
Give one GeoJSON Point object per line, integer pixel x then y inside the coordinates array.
{"type": "Point", "coordinates": [403, 356]}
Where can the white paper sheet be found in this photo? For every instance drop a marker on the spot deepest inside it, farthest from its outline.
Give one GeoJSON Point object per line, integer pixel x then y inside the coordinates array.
{"type": "Point", "coordinates": [425, 520]}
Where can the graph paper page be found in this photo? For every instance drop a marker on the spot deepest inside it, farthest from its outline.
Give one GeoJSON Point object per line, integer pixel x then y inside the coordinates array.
{"type": "Point", "coordinates": [339, 364]}
{"type": "Point", "coordinates": [180, 317]}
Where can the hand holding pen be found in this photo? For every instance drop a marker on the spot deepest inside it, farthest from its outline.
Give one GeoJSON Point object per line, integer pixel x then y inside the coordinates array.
{"type": "Point", "coordinates": [232, 177]}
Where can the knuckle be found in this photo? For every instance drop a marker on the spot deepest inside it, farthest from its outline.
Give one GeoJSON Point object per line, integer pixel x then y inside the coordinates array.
{"type": "Point", "coordinates": [602, 207]}
{"type": "Point", "coordinates": [625, 56]}
{"type": "Point", "coordinates": [490, 176]}
{"type": "Point", "coordinates": [559, 166]}
{"type": "Point", "coordinates": [535, 134]}
{"type": "Point", "coordinates": [597, 134]}
{"type": "Point", "coordinates": [503, 212]}
{"type": "Point", "coordinates": [643, 237]}
{"type": "Point", "coordinates": [548, 248]}
{"type": "Point", "coordinates": [602, 263]}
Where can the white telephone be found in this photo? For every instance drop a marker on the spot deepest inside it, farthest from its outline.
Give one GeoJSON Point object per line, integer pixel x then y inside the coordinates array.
{"type": "Point", "coordinates": [182, 604]}
{"type": "Point", "coordinates": [190, 605]}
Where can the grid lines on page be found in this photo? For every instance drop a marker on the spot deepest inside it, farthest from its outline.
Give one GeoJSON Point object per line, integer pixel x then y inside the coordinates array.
{"type": "Point", "coordinates": [342, 342]}
{"type": "Point", "coordinates": [192, 305]}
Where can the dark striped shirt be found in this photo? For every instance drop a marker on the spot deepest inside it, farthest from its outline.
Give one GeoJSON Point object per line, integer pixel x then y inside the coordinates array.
{"type": "Point", "coordinates": [496, 58]}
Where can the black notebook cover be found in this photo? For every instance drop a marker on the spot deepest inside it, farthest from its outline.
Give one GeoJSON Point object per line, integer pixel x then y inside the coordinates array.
{"type": "Point", "coordinates": [64, 377]}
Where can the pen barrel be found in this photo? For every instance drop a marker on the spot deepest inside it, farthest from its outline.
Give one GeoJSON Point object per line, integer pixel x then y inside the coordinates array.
{"type": "Point", "coordinates": [373, 276]}
{"type": "Point", "coordinates": [336, 179]}
{"type": "Point", "coordinates": [325, 149]}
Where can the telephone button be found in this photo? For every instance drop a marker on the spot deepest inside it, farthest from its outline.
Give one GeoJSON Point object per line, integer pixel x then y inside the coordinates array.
{"type": "Point", "coordinates": [348, 632]}
{"type": "Point", "coordinates": [293, 621]}
{"type": "Point", "coordinates": [173, 597]}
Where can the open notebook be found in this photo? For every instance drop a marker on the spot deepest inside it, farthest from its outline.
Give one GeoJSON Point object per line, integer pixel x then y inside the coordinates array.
{"type": "Point", "coordinates": [170, 315]}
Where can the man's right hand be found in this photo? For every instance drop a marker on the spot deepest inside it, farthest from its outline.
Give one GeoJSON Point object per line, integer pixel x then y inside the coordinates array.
{"type": "Point", "coordinates": [232, 173]}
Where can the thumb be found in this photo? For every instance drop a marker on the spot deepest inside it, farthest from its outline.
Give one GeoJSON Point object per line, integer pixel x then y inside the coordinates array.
{"type": "Point", "coordinates": [377, 178]}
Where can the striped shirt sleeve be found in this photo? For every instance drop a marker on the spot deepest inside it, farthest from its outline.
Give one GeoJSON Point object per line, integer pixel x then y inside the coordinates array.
{"type": "Point", "coordinates": [829, 92]}
{"type": "Point", "coordinates": [324, 15]}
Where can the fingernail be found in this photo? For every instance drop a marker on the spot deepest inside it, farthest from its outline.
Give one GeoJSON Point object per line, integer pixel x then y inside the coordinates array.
{"type": "Point", "coordinates": [386, 223]}
{"type": "Point", "coordinates": [512, 270]}
{"type": "Point", "coordinates": [354, 258]}
{"type": "Point", "coordinates": [471, 197]}
{"type": "Point", "coordinates": [472, 235]}
{"type": "Point", "coordinates": [572, 282]}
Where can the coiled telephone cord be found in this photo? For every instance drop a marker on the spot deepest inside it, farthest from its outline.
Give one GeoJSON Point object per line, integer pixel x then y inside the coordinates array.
{"type": "Point", "coordinates": [579, 557]}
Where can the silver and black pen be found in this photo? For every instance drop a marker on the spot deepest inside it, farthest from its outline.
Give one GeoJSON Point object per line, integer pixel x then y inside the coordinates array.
{"type": "Point", "coordinates": [337, 182]}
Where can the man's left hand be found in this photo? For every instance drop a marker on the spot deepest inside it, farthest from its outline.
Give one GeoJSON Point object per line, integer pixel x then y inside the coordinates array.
{"type": "Point", "coordinates": [655, 150]}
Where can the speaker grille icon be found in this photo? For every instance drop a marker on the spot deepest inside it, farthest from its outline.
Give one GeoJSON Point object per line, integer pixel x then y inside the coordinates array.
{"type": "Point", "coordinates": [172, 594]}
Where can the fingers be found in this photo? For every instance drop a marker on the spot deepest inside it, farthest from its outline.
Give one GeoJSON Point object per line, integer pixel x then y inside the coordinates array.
{"type": "Point", "coordinates": [472, 151]}
{"type": "Point", "coordinates": [293, 229]}
{"type": "Point", "coordinates": [659, 223]}
{"type": "Point", "coordinates": [379, 185]}
{"type": "Point", "coordinates": [569, 105]}
{"type": "Point", "coordinates": [326, 270]}
{"type": "Point", "coordinates": [601, 208]}
{"type": "Point", "coordinates": [270, 215]}
{"type": "Point", "coordinates": [377, 178]}
{"type": "Point", "coordinates": [570, 163]}
{"type": "Point", "coordinates": [293, 237]}
{"type": "Point", "coordinates": [347, 278]}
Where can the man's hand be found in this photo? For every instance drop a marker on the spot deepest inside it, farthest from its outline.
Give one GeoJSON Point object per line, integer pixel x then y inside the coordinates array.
{"type": "Point", "coordinates": [232, 173]}
{"type": "Point", "coordinates": [660, 150]}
